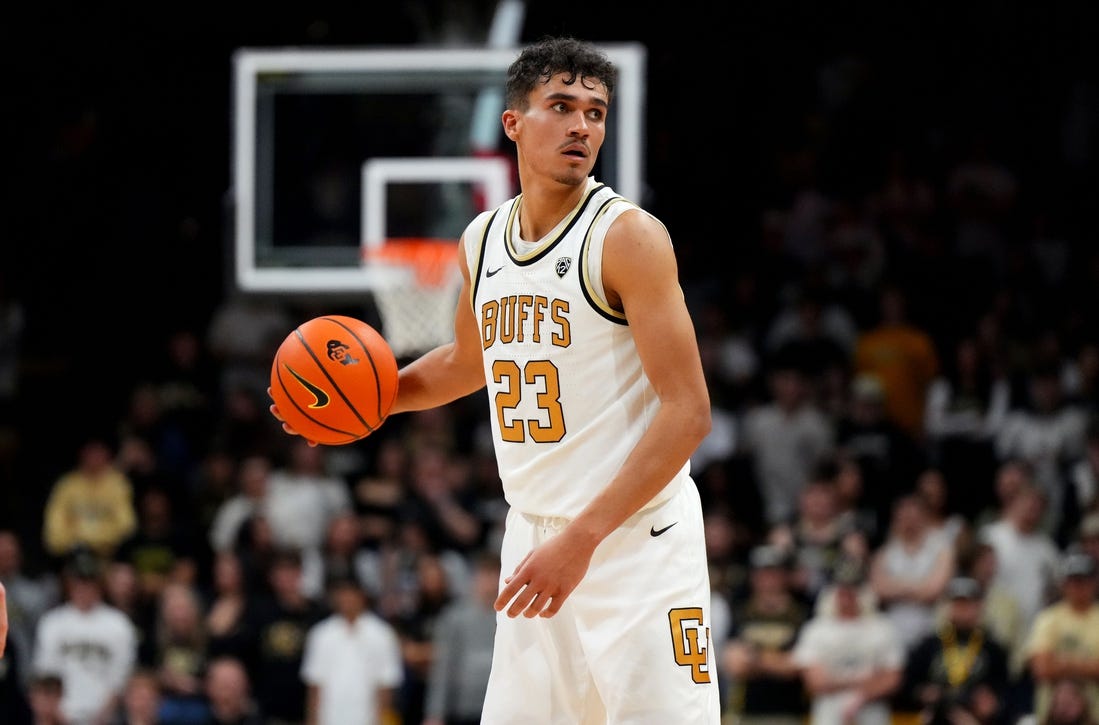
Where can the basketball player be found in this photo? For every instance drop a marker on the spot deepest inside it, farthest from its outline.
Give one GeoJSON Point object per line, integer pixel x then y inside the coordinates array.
{"type": "Point", "coordinates": [572, 314]}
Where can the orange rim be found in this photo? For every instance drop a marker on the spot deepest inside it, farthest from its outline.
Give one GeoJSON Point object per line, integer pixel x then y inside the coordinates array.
{"type": "Point", "coordinates": [432, 258]}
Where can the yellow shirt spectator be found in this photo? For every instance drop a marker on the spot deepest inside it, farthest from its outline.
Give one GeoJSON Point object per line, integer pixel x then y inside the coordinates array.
{"type": "Point", "coordinates": [92, 504]}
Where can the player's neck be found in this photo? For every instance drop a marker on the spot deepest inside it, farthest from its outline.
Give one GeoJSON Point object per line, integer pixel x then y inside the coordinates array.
{"type": "Point", "coordinates": [544, 204]}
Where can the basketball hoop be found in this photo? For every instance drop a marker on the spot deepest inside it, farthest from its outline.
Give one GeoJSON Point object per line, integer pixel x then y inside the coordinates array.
{"type": "Point", "coordinates": [416, 302]}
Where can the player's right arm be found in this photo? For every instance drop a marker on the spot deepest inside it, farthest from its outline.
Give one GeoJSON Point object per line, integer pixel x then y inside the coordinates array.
{"type": "Point", "coordinates": [452, 370]}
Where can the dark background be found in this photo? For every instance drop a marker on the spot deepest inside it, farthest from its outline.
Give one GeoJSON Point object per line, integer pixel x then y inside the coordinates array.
{"type": "Point", "coordinates": [116, 122]}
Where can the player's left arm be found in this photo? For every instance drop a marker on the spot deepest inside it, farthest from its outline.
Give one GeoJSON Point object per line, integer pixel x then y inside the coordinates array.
{"type": "Point", "coordinates": [640, 275]}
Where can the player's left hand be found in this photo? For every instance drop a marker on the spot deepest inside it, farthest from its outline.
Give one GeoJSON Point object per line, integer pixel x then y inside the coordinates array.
{"type": "Point", "coordinates": [545, 578]}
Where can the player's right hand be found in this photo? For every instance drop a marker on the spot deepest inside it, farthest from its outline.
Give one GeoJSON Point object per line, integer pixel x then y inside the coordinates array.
{"type": "Point", "coordinates": [285, 426]}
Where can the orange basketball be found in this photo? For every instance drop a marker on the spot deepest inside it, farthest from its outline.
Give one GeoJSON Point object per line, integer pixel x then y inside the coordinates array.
{"type": "Point", "coordinates": [334, 379]}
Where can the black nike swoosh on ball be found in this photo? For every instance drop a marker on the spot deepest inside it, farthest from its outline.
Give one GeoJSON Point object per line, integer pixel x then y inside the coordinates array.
{"type": "Point", "coordinates": [657, 532]}
{"type": "Point", "coordinates": [320, 395]}
{"type": "Point", "coordinates": [491, 272]}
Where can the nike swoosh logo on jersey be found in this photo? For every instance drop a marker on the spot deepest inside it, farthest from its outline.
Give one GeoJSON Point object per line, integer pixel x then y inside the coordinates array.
{"type": "Point", "coordinates": [653, 531]}
{"type": "Point", "coordinates": [491, 272]}
{"type": "Point", "coordinates": [316, 392]}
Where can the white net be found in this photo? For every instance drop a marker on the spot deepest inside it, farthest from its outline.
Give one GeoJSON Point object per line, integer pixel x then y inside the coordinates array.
{"type": "Point", "coordinates": [416, 302]}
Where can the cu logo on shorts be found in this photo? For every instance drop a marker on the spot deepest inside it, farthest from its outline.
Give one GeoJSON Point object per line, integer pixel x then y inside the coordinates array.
{"type": "Point", "coordinates": [691, 641]}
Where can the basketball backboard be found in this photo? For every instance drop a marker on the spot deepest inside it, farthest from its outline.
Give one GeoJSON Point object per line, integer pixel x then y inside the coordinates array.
{"type": "Point", "coordinates": [338, 149]}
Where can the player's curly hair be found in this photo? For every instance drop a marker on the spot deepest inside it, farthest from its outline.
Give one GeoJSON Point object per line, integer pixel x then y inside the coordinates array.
{"type": "Point", "coordinates": [552, 55]}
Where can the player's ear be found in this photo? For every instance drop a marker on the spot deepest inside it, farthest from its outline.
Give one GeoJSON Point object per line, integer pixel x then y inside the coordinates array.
{"type": "Point", "coordinates": [510, 119]}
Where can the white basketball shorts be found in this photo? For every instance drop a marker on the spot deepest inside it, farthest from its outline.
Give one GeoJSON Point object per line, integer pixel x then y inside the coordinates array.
{"type": "Point", "coordinates": [630, 646]}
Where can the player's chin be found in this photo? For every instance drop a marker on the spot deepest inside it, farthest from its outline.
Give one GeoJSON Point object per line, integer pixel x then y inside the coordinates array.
{"type": "Point", "coordinates": [574, 176]}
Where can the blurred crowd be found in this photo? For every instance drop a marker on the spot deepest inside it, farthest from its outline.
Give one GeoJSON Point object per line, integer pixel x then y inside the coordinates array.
{"type": "Point", "coordinates": [901, 485]}
{"type": "Point", "coordinates": [901, 496]}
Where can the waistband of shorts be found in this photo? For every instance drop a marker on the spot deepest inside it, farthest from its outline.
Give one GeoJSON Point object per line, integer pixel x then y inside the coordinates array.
{"type": "Point", "coordinates": [559, 522]}
{"type": "Point", "coordinates": [548, 522]}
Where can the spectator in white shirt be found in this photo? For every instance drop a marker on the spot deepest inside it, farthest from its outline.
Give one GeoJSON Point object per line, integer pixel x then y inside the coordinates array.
{"type": "Point", "coordinates": [351, 664]}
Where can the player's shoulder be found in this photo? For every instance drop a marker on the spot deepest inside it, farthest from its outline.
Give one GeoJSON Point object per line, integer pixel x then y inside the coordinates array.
{"type": "Point", "coordinates": [638, 228]}
{"type": "Point", "coordinates": [478, 225]}
{"type": "Point", "coordinates": [629, 219]}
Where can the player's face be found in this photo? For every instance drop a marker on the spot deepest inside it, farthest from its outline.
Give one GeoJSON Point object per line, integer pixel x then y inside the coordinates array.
{"type": "Point", "coordinates": [562, 130]}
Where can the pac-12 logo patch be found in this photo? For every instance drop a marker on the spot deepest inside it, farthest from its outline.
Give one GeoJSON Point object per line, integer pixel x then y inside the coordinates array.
{"type": "Point", "coordinates": [691, 642]}
{"type": "Point", "coordinates": [562, 266]}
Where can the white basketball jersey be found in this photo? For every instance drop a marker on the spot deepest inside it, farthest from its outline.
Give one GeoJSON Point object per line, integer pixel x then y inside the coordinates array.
{"type": "Point", "coordinates": [568, 398]}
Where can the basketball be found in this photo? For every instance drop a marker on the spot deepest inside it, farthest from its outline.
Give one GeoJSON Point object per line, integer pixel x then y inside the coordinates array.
{"type": "Point", "coordinates": [334, 379]}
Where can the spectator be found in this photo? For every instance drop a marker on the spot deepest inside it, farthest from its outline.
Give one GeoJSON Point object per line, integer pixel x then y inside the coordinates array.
{"type": "Point", "coordinates": [226, 628]}
{"type": "Point", "coordinates": [817, 539]}
{"type": "Point", "coordinates": [121, 591]}
{"type": "Point", "coordinates": [377, 492]}
{"type": "Point", "coordinates": [1012, 476]}
{"type": "Point", "coordinates": [352, 661]}
{"type": "Point", "coordinates": [728, 545]}
{"type": "Point", "coordinates": [1027, 556]}
{"type": "Point", "coordinates": [763, 682]}
{"type": "Point", "coordinates": [1048, 433]}
{"type": "Point", "coordinates": [966, 408]}
{"type": "Point", "coordinates": [856, 510]}
{"type": "Point", "coordinates": [228, 693]}
{"type": "Point", "coordinates": [343, 553]}
{"type": "Point", "coordinates": [944, 520]}
{"type": "Point", "coordinates": [851, 661]}
{"type": "Point", "coordinates": [398, 564]}
{"type": "Point", "coordinates": [302, 498]}
{"type": "Point", "coordinates": [1001, 616]}
{"type": "Point", "coordinates": [785, 438]}
{"type": "Point", "coordinates": [141, 701]}
{"type": "Point", "coordinates": [415, 624]}
{"type": "Point", "coordinates": [441, 499]}
{"type": "Point", "coordinates": [889, 457]}
{"type": "Point", "coordinates": [44, 695]}
{"type": "Point", "coordinates": [248, 500]}
{"type": "Point", "coordinates": [186, 382]}
{"type": "Point", "coordinates": [959, 672]}
{"type": "Point", "coordinates": [90, 644]}
{"type": "Point", "coordinates": [90, 504]}
{"type": "Point", "coordinates": [242, 336]}
{"type": "Point", "coordinates": [166, 453]}
{"type": "Point", "coordinates": [818, 336]}
{"type": "Point", "coordinates": [256, 549]}
{"type": "Point", "coordinates": [279, 622]}
{"type": "Point", "coordinates": [28, 597]}
{"type": "Point", "coordinates": [180, 654]}
{"type": "Point", "coordinates": [462, 648]}
{"type": "Point", "coordinates": [209, 484]}
{"type": "Point", "coordinates": [903, 357]}
{"type": "Point", "coordinates": [162, 549]}
{"type": "Point", "coordinates": [1064, 641]}
{"type": "Point", "coordinates": [910, 571]}
{"type": "Point", "coordinates": [1068, 705]}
